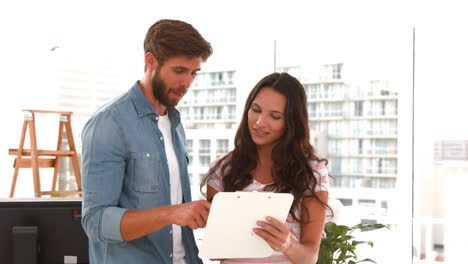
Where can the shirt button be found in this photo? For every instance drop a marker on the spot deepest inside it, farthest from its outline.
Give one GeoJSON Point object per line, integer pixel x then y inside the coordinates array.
{"type": "Point", "coordinates": [156, 118]}
{"type": "Point", "coordinates": [170, 255]}
{"type": "Point", "coordinates": [161, 138]}
{"type": "Point", "coordinates": [170, 232]}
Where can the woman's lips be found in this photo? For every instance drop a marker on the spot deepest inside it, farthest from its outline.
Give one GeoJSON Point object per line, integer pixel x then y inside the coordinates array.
{"type": "Point", "coordinates": [260, 132]}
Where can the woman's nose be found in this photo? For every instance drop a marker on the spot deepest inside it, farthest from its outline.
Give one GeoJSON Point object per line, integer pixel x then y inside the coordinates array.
{"type": "Point", "coordinates": [259, 120]}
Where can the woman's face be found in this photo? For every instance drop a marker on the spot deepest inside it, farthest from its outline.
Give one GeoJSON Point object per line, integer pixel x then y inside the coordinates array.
{"type": "Point", "coordinates": [267, 117]}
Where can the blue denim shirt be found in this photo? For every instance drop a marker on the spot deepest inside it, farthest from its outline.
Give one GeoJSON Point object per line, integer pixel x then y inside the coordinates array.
{"type": "Point", "coordinates": [124, 166]}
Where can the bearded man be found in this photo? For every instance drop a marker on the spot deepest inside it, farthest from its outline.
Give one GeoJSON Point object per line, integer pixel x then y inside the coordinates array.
{"type": "Point", "coordinates": [137, 204]}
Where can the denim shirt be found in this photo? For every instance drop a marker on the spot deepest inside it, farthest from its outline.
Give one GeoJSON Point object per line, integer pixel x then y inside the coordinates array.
{"type": "Point", "coordinates": [124, 166]}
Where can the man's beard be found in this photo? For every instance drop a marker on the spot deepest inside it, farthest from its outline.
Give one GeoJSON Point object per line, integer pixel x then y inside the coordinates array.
{"type": "Point", "coordinates": [159, 88]}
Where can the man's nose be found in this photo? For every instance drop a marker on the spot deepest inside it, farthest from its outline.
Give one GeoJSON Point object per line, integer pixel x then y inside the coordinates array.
{"type": "Point", "coordinates": [186, 81]}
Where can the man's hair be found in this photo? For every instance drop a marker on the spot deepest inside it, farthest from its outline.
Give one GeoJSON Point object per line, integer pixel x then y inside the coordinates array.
{"type": "Point", "coordinates": [168, 38]}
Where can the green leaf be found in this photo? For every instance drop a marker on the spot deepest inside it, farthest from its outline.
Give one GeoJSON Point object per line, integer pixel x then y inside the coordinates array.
{"type": "Point", "coordinates": [367, 260]}
{"type": "Point", "coordinates": [338, 245]}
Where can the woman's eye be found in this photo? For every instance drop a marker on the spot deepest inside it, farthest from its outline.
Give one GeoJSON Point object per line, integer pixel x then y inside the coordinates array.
{"type": "Point", "coordinates": [256, 110]}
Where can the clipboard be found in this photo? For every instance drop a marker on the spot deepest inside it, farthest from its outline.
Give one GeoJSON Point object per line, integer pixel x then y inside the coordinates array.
{"type": "Point", "coordinates": [233, 216]}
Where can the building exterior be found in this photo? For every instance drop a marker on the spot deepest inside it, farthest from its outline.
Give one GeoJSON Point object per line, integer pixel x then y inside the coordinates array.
{"type": "Point", "coordinates": [353, 125]}
{"type": "Point", "coordinates": [210, 102]}
{"type": "Point", "coordinates": [208, 112]}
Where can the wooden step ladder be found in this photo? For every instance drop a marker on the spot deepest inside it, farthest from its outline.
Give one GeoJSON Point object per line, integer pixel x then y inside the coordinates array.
{"type": "Point", "coordinates": [37, 158]}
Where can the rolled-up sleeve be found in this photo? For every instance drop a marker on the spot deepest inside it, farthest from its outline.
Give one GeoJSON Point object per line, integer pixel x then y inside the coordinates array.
{"type": "Point", "coordinates": [103, 169]}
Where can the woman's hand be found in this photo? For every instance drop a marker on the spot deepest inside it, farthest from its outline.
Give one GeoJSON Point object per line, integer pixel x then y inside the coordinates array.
{"type": "Point", "coordinates": [275, 233]}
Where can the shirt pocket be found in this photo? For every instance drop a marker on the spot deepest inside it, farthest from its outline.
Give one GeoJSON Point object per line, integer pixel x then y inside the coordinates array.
{"type": "Point", "coordinates": [146, 171]}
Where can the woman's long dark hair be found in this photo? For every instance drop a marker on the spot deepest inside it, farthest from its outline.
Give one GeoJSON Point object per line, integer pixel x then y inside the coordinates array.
{"type": "Point", "coordinates": [292, 172]}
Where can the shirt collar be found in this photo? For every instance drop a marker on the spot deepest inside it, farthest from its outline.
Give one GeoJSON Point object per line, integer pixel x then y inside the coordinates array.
{"type": "Point", "coordinates": [144, 108]}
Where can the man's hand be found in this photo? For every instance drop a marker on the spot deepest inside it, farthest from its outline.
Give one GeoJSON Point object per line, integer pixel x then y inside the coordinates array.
{"type": "Point", "coordinates": [193, 214]}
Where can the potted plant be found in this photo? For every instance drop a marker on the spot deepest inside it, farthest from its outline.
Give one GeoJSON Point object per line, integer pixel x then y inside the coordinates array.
{"type": "Point", "coordinates": [338, 246]}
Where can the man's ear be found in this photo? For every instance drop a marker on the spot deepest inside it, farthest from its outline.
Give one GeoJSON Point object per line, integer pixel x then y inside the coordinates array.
{"type": "Point", "coordinates": [150, 61]}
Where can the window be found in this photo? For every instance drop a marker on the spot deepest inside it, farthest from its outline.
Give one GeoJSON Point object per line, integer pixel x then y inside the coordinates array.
{"type": "Point", "coordinates": [231, 112]}
{"type": "Point", "coordinates": [337, 71]}
{"type": "Point", "coordinates": [189, 145]}
{"type": "Point", "coordinates": [335, 166]}
{"type": "Point", "coordinates": [356, 165]}
{"type": "Point", "coordinates": [366, 202]}
{"type": "Point", "coordinates": [204, 147]}
{"type": "Point", "coordinates": [312, 110]}
{"type": "Point", "coordinates": [346, 202]}
{"type": "Point", "coordinates": [358, 108]}
{"type": "Point", "coordinates": [336, 128]}
{"type": "Point", "coordinates": [359, 101]}
{"type": "Point", "coordinates": [335, 146]}
{"type": "Point", "coordinates": [204, 160]}
{"type": "Point", "coordinates": [379, 165]}
{"type": "Point", "coordinates": [200, 176]}
{"type": "Point", "coordinates": [360, 146]}
{"type": "Point", "coordinates": [221, 147]}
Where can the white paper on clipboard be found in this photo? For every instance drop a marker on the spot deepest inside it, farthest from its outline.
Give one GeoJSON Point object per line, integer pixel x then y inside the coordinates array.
{"type": "Point", "coordinates": [233, 216]}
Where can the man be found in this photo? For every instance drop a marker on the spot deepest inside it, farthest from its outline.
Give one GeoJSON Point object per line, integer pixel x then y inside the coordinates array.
{"type": "Point", "coordinates": [136, 193]}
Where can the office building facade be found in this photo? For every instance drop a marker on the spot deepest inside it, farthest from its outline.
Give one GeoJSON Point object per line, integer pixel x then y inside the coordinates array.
{"type": "Point", "coordinates": [353, 125]}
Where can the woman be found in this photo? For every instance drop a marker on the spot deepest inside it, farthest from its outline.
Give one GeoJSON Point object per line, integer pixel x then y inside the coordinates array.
{"type": "Point", "coordinates": [273, 153]}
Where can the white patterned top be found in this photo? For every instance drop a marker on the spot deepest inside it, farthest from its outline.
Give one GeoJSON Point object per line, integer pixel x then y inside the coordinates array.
{"type": "Point", "coordinates": [320, 173]}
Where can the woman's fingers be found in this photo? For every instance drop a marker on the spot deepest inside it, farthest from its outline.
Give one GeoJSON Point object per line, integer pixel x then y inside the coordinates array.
{"type": "Point", "coordinates": [275, 233]}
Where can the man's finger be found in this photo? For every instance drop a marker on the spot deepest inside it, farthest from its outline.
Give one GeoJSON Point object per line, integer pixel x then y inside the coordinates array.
{"type": "Point", "coordinates": [199, 221]}
{"type": "Point", "coordinates": [204, 214]}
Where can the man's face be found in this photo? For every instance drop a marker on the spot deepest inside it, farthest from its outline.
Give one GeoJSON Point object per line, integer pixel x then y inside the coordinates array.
{"type": "Point", "coordinates": [172, 79]}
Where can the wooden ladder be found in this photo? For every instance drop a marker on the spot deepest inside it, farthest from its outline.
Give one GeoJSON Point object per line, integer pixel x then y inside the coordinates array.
{"type": "Point", "coordinates": [35, 157]}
